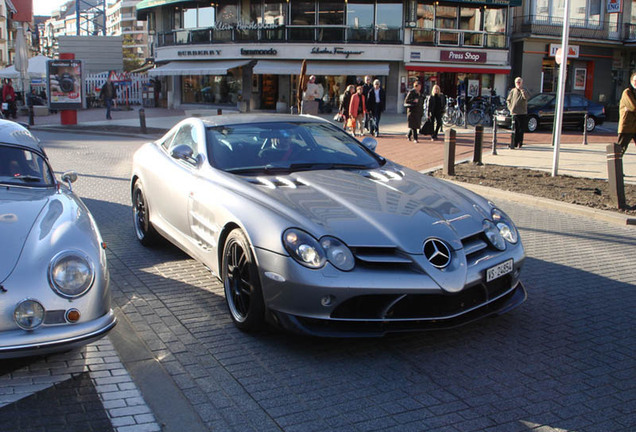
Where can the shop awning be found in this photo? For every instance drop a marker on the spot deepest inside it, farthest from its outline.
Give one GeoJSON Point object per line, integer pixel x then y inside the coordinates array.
{"type": "Point", "coordinates": [197, 67]}
{"type": "Point", "coordinates": [274, 67]}
{"type": "Point", "coordinates": [437, 67]}
{"type": "Point", "coordinates": [147, 4]}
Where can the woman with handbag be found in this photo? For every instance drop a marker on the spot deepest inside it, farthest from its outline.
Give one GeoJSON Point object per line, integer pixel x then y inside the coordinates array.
{"type": "Point", "coordinates": [357, 109]}
{"type": "Point", "coordinates": [414, 103]}
{"type": "Point", "coordinates": [344, 105]}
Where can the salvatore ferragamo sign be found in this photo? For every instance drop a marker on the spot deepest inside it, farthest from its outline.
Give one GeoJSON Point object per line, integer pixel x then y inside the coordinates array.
{"type": "Point", "coordinates": [463, 56]}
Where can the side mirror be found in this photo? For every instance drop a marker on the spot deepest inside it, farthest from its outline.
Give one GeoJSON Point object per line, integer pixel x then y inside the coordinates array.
{"type": "Point", "coordinates": [370, 143]}
{"type": "Point", "coordinates": [183, 152]}
{"type": "Point", "coordinates": [69, 177]}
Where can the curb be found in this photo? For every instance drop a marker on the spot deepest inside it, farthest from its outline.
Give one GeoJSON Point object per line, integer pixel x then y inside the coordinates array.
{"type": "Point", "coordinates": [546, 203]}
{"type": "Point", "coordinates": [152, 132]}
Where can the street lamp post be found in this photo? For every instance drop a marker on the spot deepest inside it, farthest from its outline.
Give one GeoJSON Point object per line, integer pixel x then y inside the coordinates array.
{"type": "Point", "coordinates": [558, 117]}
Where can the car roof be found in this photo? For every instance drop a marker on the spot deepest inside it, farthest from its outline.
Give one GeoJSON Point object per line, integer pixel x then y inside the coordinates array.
{"type": "Point", "coordinates": [16, 134]}
{"type": "Point", "coordinates": [235, 119]}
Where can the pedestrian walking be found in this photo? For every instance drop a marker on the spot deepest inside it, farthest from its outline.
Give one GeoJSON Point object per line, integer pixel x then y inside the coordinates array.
{"type": "Point", "coordinates": [344, 105]}
{"type": "Point", "coordinates": [436, 109]}
{"type": "Point", "coordinates": [627, 115]}
{"type": "Point", "coordinates": [357, 109]}
{"type": "Point", "coordinates": [414, 103]}
{"type": "Point", "coordinates": [517, 101]}
{"type": "Point", "coordinates": [376, 104]}
{"type": "Point", "coordinates": [108, 93]}
{"type": "Point", "coordinates": [8, 97]}
{"type": "Point", "coordinates": [366, 88]}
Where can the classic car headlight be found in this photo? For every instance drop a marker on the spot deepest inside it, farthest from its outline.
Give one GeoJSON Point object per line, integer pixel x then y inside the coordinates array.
{"type": "Point", "coordinates": [493, 235]}
{"type": "Point", "coordinates": [313, 253]}
{"type": "Point", "coordinates": [304, 248]}
{"type": "Point", "coordinates": [338, 253]}
{"type": "Point", "coordinates": [29, 314]}
{"type": "Point", "coordinates": [71, 274]}
{"type": "Point", "coordinates": [506, 228]}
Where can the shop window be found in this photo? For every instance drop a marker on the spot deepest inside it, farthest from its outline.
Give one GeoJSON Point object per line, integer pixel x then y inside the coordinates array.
{"type": "Point", "coordinates": [303, 15]}
{"type": "Point", "coordinates": [359, 21]}
{"type": "Point", "coordinates": [470, 18]}
{"type": "Point", "coordinates": [211, 89]}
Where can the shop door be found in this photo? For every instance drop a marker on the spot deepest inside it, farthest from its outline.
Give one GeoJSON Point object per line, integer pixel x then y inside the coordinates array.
{"type": "Point", "coordinates": [448, 83]}
{"type": "Point", "coordinates": [269, 94]}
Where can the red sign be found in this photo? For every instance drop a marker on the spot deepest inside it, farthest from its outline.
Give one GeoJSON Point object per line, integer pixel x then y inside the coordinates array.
{"type": "Point", "coordinates": [463, 56]}
{"type": "Point", "coordinates": [24, 10]}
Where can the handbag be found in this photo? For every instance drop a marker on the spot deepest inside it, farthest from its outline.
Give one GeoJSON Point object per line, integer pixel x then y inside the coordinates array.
{"type": "Point", "coordinates": [339, 117]}
{"type": "Point", "coordinates": [427, 127]}
{"type": "Point", "coordinates": [351, 123]}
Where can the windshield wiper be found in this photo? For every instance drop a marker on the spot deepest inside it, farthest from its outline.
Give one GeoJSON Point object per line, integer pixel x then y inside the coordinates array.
{"type": "Point", "coordinates": [28, 178]}
{"type": "Point", "coordinates": [324, 166]}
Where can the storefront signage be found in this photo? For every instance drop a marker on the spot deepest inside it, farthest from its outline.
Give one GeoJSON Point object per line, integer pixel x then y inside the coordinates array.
{"type": "Point", "coordinates": [245, 26]}
{"type": "Point", "coordinates": [614, 6]}
{"type": "Point", "coordinates": [463, 56]}
{"type": "Point", "coordinates": [186, 53]}
{"type": "Point", "coordinates": [249, 52]}
{"type": "Point", "coordinates": [573, 50]}
{"type": "Point", "coordinates": [335, 51]}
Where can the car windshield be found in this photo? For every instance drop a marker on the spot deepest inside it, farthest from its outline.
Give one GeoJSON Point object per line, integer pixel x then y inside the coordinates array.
{"type": "Point", "coordinates": [540, 100]}
{"type": "Point", "coordinates": [285, 147]}
{"type": "Point", "coordinates": [23, 167]}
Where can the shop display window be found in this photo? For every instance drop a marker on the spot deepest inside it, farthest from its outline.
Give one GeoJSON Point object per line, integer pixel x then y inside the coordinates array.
{"type": "Point", "coordinates": [211, 89]}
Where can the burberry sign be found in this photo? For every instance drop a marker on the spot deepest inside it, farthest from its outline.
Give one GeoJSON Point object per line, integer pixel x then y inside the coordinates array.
{"type": "Point", "coordinates": [463, 56]}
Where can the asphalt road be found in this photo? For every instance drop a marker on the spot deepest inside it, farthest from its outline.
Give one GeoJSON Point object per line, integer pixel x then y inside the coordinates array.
{"type": "Point", "coordinates": [563, 361]}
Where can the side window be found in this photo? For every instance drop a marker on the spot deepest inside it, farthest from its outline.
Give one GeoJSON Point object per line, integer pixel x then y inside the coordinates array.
{"type": "Point", "coordinates": [577, 100]}
{"type": "Point", "coordinates": [186, 135]}
{"type": "Point", "coordinates": [166, 143]}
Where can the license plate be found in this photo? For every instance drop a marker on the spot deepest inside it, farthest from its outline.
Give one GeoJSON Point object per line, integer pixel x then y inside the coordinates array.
{"type": "Point", "coordinates": [499, 270]}
{"type": "Point", "coordinates": [500, 118]}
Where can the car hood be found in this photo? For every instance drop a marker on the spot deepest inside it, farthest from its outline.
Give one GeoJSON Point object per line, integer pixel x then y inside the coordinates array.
{"type": "Point", "coordinates": [388, 207]}
{"type": "Point", "coordinates": [19, 209]}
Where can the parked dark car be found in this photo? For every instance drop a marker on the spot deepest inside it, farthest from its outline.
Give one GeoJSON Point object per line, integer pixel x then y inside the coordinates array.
{"type": "Point", "coordinates": [541, 112]}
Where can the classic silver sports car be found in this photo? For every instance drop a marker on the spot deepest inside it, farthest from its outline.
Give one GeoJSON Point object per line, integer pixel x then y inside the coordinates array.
{"type": "Point", "coordinates": [309, 229]}
{"type": "Point", "coordinates": [53, 277]}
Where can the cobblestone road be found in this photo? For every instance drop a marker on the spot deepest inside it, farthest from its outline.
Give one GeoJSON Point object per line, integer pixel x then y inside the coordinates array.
{"type": "Point", "coordinates": [565, 360]}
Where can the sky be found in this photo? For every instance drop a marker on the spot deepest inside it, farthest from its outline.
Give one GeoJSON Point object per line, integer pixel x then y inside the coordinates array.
{"type": "Point", "coordinates": [46, 7]}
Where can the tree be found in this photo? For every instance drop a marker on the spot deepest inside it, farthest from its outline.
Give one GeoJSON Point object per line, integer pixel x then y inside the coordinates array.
{"type": "Point", "coordinates": [131, 58]}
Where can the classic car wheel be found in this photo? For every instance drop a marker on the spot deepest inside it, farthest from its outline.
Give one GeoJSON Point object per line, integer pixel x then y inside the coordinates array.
{"type": "Point", "coordinates": [533, 123]}
{"type": "Point", "coordinates": [591, 123]}
{"type": "Point", "coordinates": [241, 283]}
{"type": "Point", "coordinates": [144, 230]}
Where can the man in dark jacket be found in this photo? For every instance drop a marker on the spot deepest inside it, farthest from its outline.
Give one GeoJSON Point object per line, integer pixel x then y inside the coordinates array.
{"type": "Point", "coordinates": [108, 93]}
{"type": "Point", "coordinates": [376, 104]}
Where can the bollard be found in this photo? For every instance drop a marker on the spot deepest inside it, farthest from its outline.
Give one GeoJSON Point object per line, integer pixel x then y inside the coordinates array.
{"type": "Point", "coordinates": [615, 175]}
{"type": "Point", "coordinates": [142, 120]}
{"type": "Point", "coordinates": [31, 115]}
{"type": "Point", "coordinates": [585, 130]}
{"type": "Point", "coordinates": [450, 137]}
{"type": "Point", "coordinates": [219, 111]}
{"type": "Point", "coordinates": [512, 135]}
{"type": "Point", "coordinates": [479, 141]}
{"type": "Point", "coordinates": [494, 137]}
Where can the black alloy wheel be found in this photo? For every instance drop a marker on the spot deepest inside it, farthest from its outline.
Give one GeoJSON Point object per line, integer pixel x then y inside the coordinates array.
{"type": "Point", "coordinates": [241, 283]}
{"type": "Point", "coordinates": [144, 230]}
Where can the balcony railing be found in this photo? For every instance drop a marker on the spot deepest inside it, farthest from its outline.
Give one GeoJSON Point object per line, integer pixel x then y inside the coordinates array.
{"type": "Point", "coordinates": [553, 26]}
{"type": "Point", "coordinates": [458, 38]}
{"type": "Point", "coordinates": [291, 33]}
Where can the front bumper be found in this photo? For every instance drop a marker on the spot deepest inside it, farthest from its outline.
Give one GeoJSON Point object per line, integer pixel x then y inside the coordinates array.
{"type": "Point", "coordinates": [50, 339]}
{"type": "Point", "coordinates": [375, 301]}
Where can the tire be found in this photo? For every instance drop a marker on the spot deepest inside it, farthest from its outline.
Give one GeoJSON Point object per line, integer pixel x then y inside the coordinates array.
{"type": "Point", "coordinates": [241, 284]}
{"type": "Point", "coordinates": [145, 232]}
{"type": "Point", "coordinates": [532, 124]}
{"type": "Point", "coordinates": [474, 117]}
{"type": "Point", "coordinates": [591, 124]}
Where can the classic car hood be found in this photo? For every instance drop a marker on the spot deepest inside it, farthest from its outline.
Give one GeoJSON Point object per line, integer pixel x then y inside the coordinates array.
{"type": "Point", "coordinates": [391, 206]}
{"type": "Point", "coordinates": [19, 209]}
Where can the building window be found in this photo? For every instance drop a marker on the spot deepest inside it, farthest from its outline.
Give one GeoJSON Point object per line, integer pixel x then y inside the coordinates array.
{"type": "Point", "coordinates": [331, 21]}
{"type": "Point", "coordinates": [583, 13]}
{"type": "Point", "coordinates": [495, 28]}
{"type": "Point", "coordinates": [389, 21]}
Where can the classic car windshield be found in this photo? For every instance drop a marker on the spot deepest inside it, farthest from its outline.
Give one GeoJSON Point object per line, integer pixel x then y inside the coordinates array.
{"type": "Point", "coordinates": [285, 147]}
{"type": "Point", "coordinates": [20, 166]}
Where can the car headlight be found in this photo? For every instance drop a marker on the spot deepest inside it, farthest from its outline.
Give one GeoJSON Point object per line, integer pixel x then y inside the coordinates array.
{"type": "Point", "coordinates": [506, 228]}
{"type": "Point", "coordinates": [29, 314]}
{"type": "Point", "coordinates": [493, 235]}
{"type": "Point", "coordinates": [338, 253]}
{"type": "Point", "coordinates": [304, 248]}
{"type": "Point", "coordinates": [71, 274]}
{"type": "Point", "coordinates": [314, 254]}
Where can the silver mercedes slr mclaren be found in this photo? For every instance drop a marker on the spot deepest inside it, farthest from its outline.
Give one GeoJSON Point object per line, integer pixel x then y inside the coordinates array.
{"type": "Point", "coordinates": [311, 230]}
{"type": "Point", "coordinates": [54, 292]}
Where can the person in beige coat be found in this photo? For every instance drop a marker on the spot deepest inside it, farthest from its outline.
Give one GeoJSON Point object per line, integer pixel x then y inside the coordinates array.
{"type": "Point", "coordinates": [517, 101]}
{"type": "Point", "coordinates": [627, 115]}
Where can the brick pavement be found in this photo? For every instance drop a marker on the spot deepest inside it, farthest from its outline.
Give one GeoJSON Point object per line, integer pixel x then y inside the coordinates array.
{"type": "Point", "coordinates": [565, 360]}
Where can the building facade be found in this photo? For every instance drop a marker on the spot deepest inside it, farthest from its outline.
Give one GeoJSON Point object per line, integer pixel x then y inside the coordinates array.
{"type": "Point", "coordinates": [249, 52]}
{"type": "Point", "coordinates": [121, 20]}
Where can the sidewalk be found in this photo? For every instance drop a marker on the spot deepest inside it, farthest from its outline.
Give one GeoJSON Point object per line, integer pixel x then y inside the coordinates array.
{"type": "Point", "coordinates": [575, 158]}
